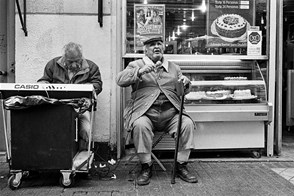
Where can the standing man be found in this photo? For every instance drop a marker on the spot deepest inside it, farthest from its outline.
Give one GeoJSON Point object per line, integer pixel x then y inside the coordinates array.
{"type": "Point", "coordinates": [154, 106]}
{"type": "Point", "coordinates": [73, 68]}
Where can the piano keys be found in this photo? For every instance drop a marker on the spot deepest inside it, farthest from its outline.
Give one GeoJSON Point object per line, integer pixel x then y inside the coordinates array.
{"type": "Point", "coordinates": [57, 91]}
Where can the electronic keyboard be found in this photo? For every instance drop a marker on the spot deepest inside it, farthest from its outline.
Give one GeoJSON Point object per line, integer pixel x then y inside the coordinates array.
{"type": "Point", "coordinates": [58, 91]}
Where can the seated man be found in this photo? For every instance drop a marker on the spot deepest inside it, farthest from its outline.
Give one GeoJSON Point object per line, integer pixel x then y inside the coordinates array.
{"type": "Point", "coordinates": [155, 105]}
{"type": "Point", "coordinates": [73, 68]}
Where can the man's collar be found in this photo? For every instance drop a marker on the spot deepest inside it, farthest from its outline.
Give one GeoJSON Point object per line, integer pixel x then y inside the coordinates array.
{"type": "Point", "coordinates": [147, 60]}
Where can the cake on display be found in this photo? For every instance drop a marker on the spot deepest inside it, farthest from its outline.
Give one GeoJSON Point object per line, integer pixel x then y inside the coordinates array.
{"type": "Point", "coordinates": [230, 25]}
{"type": "Point", "coordinates": [195, 95]}
{"type": "Point", "coordinates": [218, 94]}
{"type": "Point", "coordinates": [243, 94]}
{"type": "Point", "coordinates": [209, 95]}
{"type": "Point", "coordinates": [235, 78]}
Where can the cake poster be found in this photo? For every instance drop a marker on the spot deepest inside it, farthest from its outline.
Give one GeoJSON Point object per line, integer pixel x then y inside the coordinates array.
{"type": "Point", "coordinates": [228, 22]}
{"type": "Point", "coordinates": [149, 21]}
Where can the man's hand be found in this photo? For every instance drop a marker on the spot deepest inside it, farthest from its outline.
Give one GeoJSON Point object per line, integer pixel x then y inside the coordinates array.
{"type": "Point", "coordinates": [184, 79]}
{"type": "Point", "coordinates": [44, 82]}
{"type": "Point", "coordinates": [148, 68]}
{"type": "Point", "coordinates": [186, 82]}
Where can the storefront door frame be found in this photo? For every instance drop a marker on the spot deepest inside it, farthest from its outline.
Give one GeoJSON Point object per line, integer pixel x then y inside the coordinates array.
{"type": "Point", "coordinates": [279, 85]}
{"type": "Point", "coordinates": [271, 34]}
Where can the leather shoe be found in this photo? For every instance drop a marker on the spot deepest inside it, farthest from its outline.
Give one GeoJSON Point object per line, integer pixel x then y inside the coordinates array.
{"type": "Point", "coordinates": [184, 174]}
{"type": "Point", "coordinates": [145, 175]}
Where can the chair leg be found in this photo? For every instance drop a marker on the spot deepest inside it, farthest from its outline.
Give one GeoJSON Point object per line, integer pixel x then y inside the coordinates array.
{"type": "Point", "coordinates": [159, 163]}
{"type": "Point", "coordinates": [131, 158]}
{"type": "Point", "coordinates": [154, 157]}
{"type": "Point", "coordinates": [153, 146]}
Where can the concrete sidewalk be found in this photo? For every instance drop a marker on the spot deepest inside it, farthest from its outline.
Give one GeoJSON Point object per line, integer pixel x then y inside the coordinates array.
{"type": "Point", "coordinates": [264, 176]}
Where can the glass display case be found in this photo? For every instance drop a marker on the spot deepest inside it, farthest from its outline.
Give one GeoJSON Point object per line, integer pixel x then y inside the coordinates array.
{"type": "Point", "coordinates": [228, 101]}
{"type": "Point", "coordinates": [228, 82]}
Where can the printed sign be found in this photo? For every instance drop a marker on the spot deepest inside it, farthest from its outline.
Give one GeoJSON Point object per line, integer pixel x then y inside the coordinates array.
{"type": "Point", "coordinates": [254, 38]}
{"type": "Point", "coordinates": [149, 21]}
{"type": "Point", "coordinates": [228, 22]}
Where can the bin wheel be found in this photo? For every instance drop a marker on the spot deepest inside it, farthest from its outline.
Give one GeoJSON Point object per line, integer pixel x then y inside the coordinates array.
{"type": "Point", "coordinates": [256, 154]}
{"type": "Point", "coordinates": [25, 174]}
{"type": "Point", "coordinates": [67, 183]}
{"type": "Point", "coordinates": [13, 182]}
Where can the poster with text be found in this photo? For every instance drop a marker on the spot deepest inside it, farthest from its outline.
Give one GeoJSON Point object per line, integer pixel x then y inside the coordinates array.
{"type": "Point", "coordinates": [228, 22]}
{"type": "Point", "coordinates": [149, 21]}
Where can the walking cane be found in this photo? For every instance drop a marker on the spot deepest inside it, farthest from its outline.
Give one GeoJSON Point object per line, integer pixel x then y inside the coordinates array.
{"type": "Point", "coordinates": [180, 91]}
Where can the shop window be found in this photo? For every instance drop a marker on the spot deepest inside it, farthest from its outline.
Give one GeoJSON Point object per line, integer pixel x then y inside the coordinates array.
{"type": "Point", "coordinates": [197, 27]}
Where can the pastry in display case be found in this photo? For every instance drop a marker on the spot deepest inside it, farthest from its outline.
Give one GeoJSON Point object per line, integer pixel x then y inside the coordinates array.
{"type": "Point", "coordinates": [224, 94]}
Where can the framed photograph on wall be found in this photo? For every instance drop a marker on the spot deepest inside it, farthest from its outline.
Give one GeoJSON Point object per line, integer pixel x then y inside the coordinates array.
{"type": "Point", "coordinates": [149, 21]}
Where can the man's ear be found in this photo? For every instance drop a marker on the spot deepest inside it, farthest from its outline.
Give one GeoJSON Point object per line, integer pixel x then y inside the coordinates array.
{"type": "Point", "coordinates": [163, 46]}
{"type": "Point", "coordinates": [144, 49]}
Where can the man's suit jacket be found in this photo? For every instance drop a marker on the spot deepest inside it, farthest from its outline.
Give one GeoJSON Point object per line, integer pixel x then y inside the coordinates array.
{"type": "Point", "coordinates": [147, 88]}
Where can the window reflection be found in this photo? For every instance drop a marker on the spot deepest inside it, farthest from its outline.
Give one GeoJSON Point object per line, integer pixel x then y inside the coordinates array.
{"type": "Point", "coordinates": [187, 26]}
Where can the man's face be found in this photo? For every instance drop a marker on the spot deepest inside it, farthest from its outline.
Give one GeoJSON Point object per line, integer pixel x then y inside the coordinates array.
{"type": "Point", "coordinates": [73, 63]}
{"type": "Point", "coordinates": [155, 50]}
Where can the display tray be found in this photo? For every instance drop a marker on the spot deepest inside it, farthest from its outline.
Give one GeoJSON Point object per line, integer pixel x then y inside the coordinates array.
{"type": "Point", "coordinates": [244, 98]}
{"type": "Point", "coordinates": [205, 96]}
{"type": "Point", "coordinates": [225, 97]}
{"type": "Point", "coordinates": [226, 101]}
{"type": "Point", "coordinates": [193, 98]}
{"type": "Point", "coordinates": [217, 98]}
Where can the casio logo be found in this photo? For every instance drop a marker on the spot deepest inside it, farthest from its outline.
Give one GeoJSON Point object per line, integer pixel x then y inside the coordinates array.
{"type": "Point", "coordinates": [26, 86]}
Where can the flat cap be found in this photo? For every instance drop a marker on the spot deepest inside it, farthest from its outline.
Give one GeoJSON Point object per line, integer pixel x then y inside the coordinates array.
{"type": "Point", "coordinates": [152, 39]}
